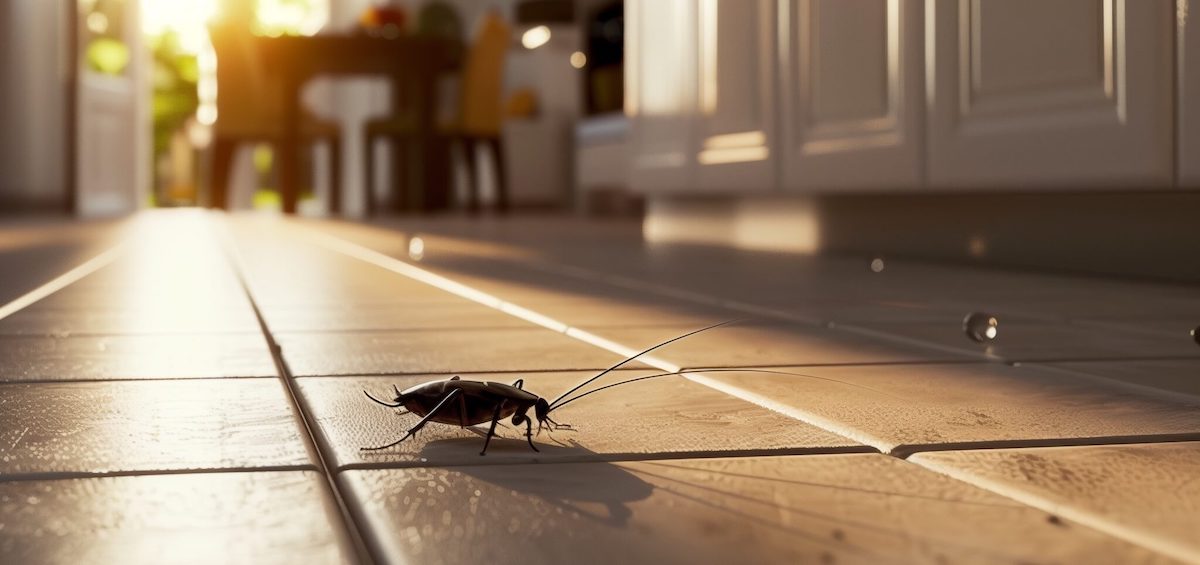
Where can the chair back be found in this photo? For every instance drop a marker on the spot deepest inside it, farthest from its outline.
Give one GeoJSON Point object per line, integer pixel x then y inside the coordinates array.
{"type": "Point", "coordinates": [483, 78]}
{"type": "Point", "coordinates": [440, 20]}
{"type": "Point", "coordinates": [249, 99]}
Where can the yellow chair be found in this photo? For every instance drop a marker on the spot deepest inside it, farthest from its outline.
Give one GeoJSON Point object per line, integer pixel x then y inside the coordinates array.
{"type": "Point", "coordinates": [249, 109]}
{"type": "Point", "coordinates": [478, 118]}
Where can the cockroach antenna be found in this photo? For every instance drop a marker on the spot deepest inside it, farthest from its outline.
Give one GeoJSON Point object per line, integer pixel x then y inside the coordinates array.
{"type": "Point", "coordinates": [628, 359]}
{"type": "Point", "coordinates": [717, 370]}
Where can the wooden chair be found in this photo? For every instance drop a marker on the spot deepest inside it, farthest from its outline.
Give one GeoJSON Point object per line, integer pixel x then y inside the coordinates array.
{"type": "Point", "coordinates": [249, 103]}
{"type": "Point", "coordinates": [477, 121]}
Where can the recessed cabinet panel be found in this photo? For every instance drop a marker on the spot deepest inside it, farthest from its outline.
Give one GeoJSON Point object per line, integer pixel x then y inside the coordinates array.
{"type": "Point", "coordinates": [850, 94]}
{"type": "Point", "coordinates": [661, 92]}
{"type": "Point", "coordinates": [1031, 94]}
{"type": "Point", "coordinates": [735, 121]}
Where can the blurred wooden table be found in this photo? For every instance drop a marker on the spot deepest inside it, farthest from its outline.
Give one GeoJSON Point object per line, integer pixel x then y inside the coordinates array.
{"type": "Point", "coordinates": [412, 65]}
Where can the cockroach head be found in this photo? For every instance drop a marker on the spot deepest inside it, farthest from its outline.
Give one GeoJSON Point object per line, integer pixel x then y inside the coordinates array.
{"type": "Point", "coordinates": [541, 409]}
{"type": "Point", "coordinates": [399, 395]}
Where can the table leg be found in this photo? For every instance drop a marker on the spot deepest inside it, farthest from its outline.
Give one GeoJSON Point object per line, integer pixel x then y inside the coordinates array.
{"type": "Point", "coordinates": [289, 148]}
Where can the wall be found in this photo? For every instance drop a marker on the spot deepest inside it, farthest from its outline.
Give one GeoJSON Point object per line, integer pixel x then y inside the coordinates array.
{"type": "Point", "coordinates": [33, 101]}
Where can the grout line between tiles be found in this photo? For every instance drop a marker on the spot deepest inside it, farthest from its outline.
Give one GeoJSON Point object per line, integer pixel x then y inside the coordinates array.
{"type": "Point", "coordinates": [350, 524]}
{"type": "Point", "coordinates": [130, 380]}
{"type": "Point", "coordinates": [65, 475]}
{"type": "Point", "coordinates": [1090, 519]}
{"type": "Point", "coordinates": [619, 457]}
{"type": "Point", "coordinates": [908, 450]}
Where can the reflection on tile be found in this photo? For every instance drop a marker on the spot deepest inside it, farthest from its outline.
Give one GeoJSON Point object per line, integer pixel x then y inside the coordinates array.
{"type": "Point", "coordinates": [389, 316]}
{"type": "Point", "coordinates": [1177, 376]}
{"type": "Point", "coordinates": [1148, 493]}
{"type": "Point", "coordinates": [182, 318]}
{"type": "Point", "coordinates": [439, 351]}
{"type": "Point", "coordinates": [757, 344]}
{"type": "Point", "coordinates": [661, 416]}
{"type": "Point", "coordinates": [81, 358]}
{"type": "Point", "coordinates": [808, 509]}
{"type": "Point", "coordinates": [265, 517]}
{"type": "Point", "coordinates": [976, 402]}
{"type": "Point", "coordinates": [1027, 341]}
{"type": "Point", "coordinates": [147, 426]}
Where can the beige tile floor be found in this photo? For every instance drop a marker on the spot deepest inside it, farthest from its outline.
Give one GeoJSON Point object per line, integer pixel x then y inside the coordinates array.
{"type": "Point", "coordinates": [145, 416]}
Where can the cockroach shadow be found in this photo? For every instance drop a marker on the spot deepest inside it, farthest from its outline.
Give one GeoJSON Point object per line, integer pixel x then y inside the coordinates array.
{"type": "Point", "coordinates": [565, 475]}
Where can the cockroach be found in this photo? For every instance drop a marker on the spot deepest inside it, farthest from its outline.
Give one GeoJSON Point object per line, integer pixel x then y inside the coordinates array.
{"type": "Point", "coordinates": [460, 402]}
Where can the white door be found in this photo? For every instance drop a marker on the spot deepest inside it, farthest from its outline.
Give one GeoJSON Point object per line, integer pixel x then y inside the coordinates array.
{"type": "Point", "coordinates": [112, 128]}
{"type": "Point", "coordinates": [1062, 93]}
{"type": "Point", "coordinates": [660, 79]}
{"type": "Point", "coordinates": [735, 118]}
{"type": "Point", "coordinates": [850, 90]}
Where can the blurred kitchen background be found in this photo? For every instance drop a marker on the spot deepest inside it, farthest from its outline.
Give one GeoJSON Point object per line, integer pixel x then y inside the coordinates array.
{"type": "Point", "coordinates": [1056, 135]}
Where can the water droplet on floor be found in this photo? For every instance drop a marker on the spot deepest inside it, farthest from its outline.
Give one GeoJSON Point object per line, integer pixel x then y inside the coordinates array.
{"type": "Point", "coordinates": [981, 327]}
{"type": "Point", "coordinates": [416, 248]}
{"type": "Point", "coordinates": [877, 265]}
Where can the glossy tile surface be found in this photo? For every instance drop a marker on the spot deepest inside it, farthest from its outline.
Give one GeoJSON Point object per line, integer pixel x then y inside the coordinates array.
{"type": "Point", "coordinates": [913, 405]}
{"type": "Point", "coordinates": [1035, 341]}
{"type": "Point", "coordinates": [106, 427]}
{"type": "Point", "coordinates": [1182, 376]}
{"type": "Point", "coordinates": [758, 344]}
{"type": "Point", "coordinates": [439, 351]}
{"type": "Point", "coordinates": [81, 358]}
{"type": "Point", "coordinates": [1149, 493]}
{"type": "Point", "coordinates": [654, 418]}
{"type": "Point", "coordinates": [809, 509]}
{"type": "Point", "coordinates": [264, 517]}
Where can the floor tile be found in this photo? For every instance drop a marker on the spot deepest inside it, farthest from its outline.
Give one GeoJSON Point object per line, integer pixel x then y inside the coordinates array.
{"type": "Point", "coordinates": [389, 316]}
{"type": "Point", "coordinates": [807, 509]}
{"type": "Point", "coordinates": [1029, 341]}
{"type": "Point", "coordinates": [147, 426]}
{"type": "Point", "coordinates": [756, 343]}
{"type": "Point", "coordinates": [439, 351]}
{"type": "Point", "coordinates": [82, 358]}
{"type": "Point", "coordinates": [1176, 376]}
{"type": "Point", "coordinates": [264, 517]}
{"type": "Point", "coordinates": [654, 418]}
{"type": "Point", "coordinates": [914, 405]}
{"type": "Point", "coordinates": [181, 317]}
{"type": "Point", "coordinates": [1147, 493]}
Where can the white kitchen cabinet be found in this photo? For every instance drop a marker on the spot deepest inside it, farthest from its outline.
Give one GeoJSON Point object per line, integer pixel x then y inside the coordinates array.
{"type": "Point", "coordinates": [1049, 94]}
{"type": "Point", "coordinates": [735, 124]}
{"type": "Point", "coordinates": [660, 87]}
{"type": "Point", "coordinates": [850, 89]}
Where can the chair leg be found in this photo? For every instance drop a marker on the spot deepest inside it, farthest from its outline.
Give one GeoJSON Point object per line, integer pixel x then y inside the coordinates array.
{"type": "Point", "coordinates": [471, 162]}
{"type": "Point", "coordinates": [369, 174]}
{"type": "Point", "coordinates": [335, 175]}
{"type": "Point", "coordinates": [401, 168]}
{"type": "Point", "coordinates": [222, 159]}
{"type": "Point", "coordinates": [501, 177]}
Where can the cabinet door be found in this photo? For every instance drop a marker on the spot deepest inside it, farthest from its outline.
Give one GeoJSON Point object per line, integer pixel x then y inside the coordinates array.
{"type": "Point", "coordinates": [851, 94]}
{"type": "Point", "coordinates": [1031, 93]}
{"type": "Point", "coordinates": [735, 118]}
{"type": "Point", "coordinates": [660, 91]}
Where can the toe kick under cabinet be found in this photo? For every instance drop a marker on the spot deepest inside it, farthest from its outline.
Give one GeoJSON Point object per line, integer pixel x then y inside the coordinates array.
{"type": "Point", "coordinates": [820, 96]}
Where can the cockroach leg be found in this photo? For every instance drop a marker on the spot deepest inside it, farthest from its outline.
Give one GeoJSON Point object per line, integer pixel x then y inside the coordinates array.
{"type": "Point", "coordinates": [492, 430]}
{"type": "Point", "coordinates": [413, 431]}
